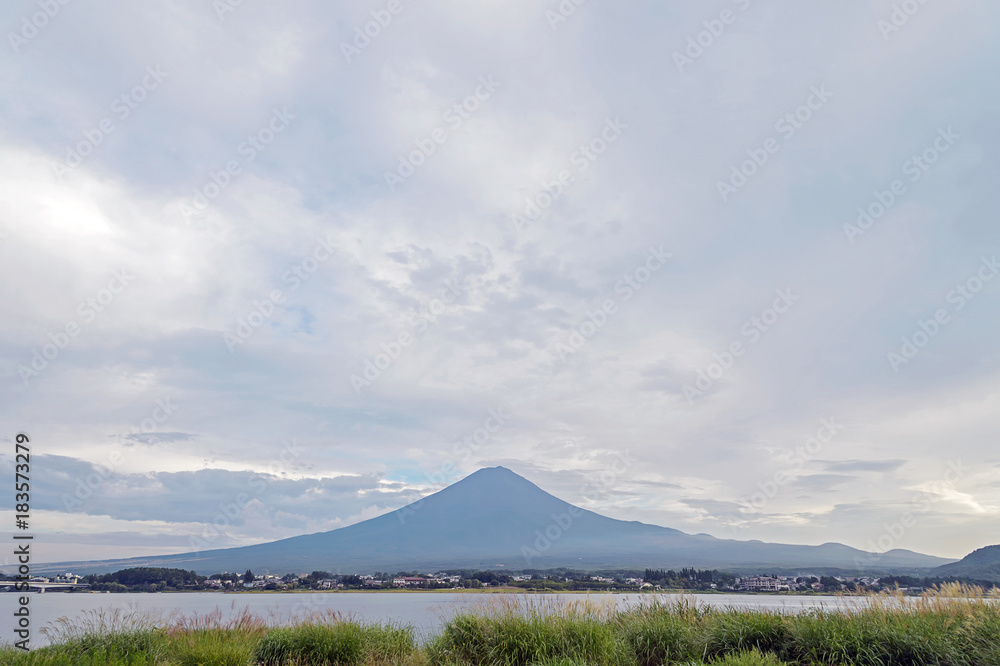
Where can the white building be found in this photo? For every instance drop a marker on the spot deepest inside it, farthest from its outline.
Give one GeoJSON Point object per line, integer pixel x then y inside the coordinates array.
{"type": "Point", "coordinates": [762, 584]}
{"type": "Point", "coordinates": [409, 581]}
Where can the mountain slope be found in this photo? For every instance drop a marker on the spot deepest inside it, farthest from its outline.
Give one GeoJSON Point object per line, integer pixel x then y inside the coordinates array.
{"type": "Point", "coordinates": [494, 517]}
{"type": "Point", "coordinates": [981, 564]}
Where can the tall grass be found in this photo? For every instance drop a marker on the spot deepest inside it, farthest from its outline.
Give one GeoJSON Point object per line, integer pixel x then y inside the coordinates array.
{"type": "Point", "coordinates": [341, 644]}
{"type": "Point", "coordinates": [953, 625]}
{"type": "Point", "coordinates": [523, 630]}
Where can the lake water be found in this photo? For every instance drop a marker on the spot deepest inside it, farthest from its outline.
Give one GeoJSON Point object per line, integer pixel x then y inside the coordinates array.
{"type": "Point", "coordinates": [426, 611]}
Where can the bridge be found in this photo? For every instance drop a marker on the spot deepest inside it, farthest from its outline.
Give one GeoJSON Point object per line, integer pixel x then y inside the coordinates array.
{"type": "Point", "coordinates": [41, 588]}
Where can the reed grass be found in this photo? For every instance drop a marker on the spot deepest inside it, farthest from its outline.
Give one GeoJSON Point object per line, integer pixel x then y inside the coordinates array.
{"type": "Point", "coordinates": [954, 625]}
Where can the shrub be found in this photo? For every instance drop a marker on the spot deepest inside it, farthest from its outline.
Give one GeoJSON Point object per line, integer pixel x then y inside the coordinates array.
{"type": "Point", "coordinates": [752, 658]}
{"type": "Point", "coordinates": [902, 638]}
{"type": "Point", "coordinates": [659, 639]}
{"type": "Point", "coordinates": [735, 631]}
{"type": "Point", "coordinates": [340, 644]}
{"type": "Point", "coordinates": [519, 640]}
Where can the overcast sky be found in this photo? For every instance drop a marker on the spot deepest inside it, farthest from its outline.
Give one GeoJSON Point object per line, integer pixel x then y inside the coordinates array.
{"type": "Point", "coordinates": [271, 266]}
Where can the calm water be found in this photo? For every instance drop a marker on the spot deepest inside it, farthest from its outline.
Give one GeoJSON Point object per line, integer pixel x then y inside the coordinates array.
{"type": "Point", "coordinates": [426, 611]}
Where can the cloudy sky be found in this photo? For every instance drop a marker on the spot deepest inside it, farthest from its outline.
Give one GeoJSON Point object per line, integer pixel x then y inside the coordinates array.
{"type": "Point", "coordinates": [724, 266]}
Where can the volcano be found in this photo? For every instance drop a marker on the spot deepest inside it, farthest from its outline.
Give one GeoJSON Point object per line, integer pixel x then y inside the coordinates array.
{"type": "Point", "coordinates": [496, 518]}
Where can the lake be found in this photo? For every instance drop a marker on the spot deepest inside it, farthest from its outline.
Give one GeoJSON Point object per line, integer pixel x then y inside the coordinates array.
{"type": "Point", "coordinates": [426, 611]}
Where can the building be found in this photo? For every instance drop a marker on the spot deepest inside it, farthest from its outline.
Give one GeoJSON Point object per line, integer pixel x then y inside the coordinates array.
{"type": "Point", "coordinates": [762, 584]}
{"type": "Point", "coordinates": [409, 581]}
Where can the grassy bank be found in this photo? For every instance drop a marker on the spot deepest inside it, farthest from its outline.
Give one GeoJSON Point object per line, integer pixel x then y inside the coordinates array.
{"type": "Point", "coordinates": [952, 626]}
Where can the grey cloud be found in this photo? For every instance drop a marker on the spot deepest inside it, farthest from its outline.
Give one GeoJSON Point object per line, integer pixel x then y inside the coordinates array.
{"type": "Point", "coordinates": [821, 482]}
{"type": "Point", "coordinates": [151, 438]}
{"type": "Point", "coordinates": [861, 465]}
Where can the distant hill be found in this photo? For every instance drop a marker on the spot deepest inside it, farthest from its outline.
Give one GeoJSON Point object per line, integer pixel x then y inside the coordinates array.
{"type": "Point", "coordinates": [493, 518]}
{"type": "Point", "coordinates": [982, 564]}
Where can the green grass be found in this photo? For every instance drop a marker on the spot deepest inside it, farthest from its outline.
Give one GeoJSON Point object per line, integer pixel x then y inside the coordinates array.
{"type": "Point", "coordinates": [509, 636]}
{"type": "Point", "coordinates": [954, 626]}
{"type": "Point", "coordinates": [340, 644]}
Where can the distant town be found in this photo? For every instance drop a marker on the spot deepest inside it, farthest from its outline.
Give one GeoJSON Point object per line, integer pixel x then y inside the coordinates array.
{"type": "Point", "coordinates": [153, 579]}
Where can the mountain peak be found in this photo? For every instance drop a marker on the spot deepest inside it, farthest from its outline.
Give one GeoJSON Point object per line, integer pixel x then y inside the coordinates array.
{"type": "Point", "coordinates": [495, 488]}
{"type": "Point", "coordinates": [499, 470]}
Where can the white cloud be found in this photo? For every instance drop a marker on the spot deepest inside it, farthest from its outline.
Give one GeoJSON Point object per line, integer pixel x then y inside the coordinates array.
{"type": "Point", "coordinates": [519, 293]}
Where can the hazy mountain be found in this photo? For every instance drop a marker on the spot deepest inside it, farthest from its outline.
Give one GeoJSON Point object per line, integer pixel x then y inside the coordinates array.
{"type": "Point", "coordinates": [496, 518]}
{"type": "Point", "coordinates": [981, 564]}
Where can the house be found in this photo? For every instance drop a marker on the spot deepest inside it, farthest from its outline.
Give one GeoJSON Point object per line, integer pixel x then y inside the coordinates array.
{"type": "Point", "coordinates": [761, 584]}
{"type": "Point", "coordinates": [67, 578]}
{"type": "Point", "coordinates": [409, 581]}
